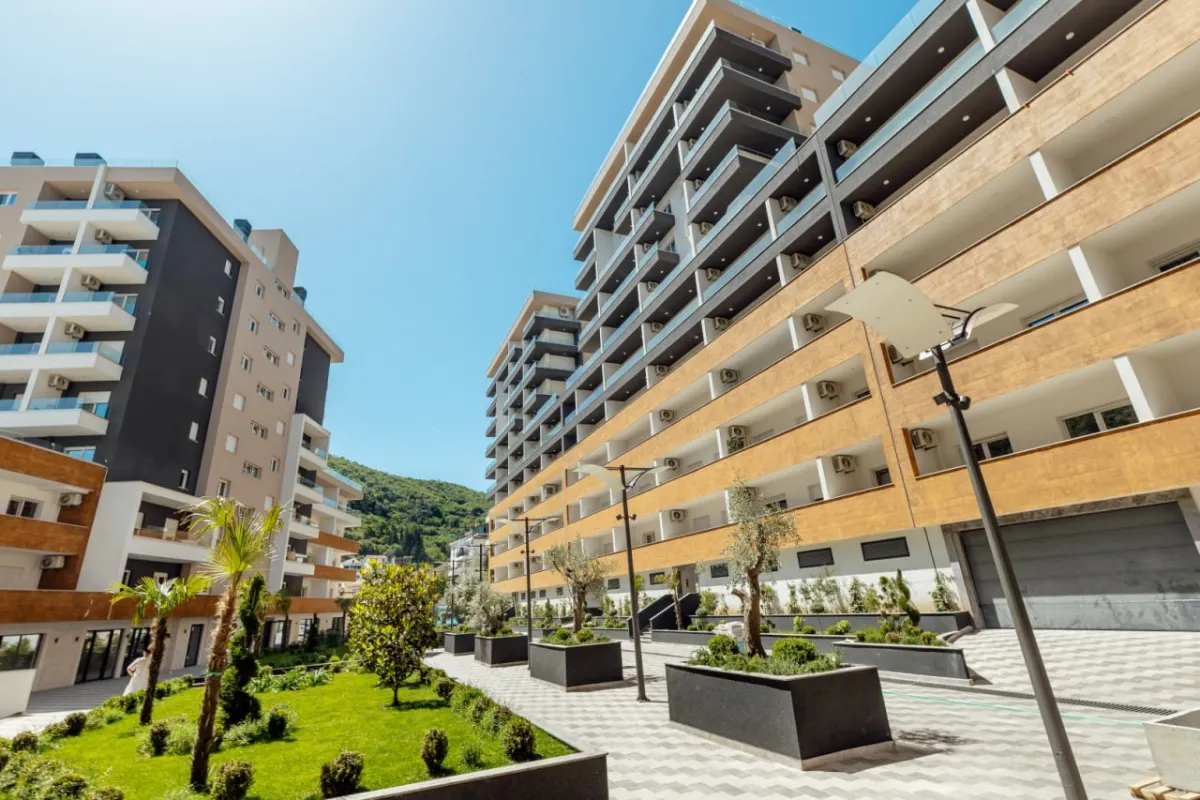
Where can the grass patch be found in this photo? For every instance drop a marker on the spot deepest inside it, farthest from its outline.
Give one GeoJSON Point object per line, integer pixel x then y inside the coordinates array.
{"type": "Point", "coordinates": [349, 713]}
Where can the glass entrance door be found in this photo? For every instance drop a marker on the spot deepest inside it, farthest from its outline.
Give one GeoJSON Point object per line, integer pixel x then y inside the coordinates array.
{"type": "Point", "coordinates": [195, 636]}
{"type": "Point", "coordinates": [98, 660]}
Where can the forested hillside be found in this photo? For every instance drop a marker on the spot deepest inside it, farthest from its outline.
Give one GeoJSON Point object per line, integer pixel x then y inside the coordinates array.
{"type": "Point", "coordinates": [409, 516]}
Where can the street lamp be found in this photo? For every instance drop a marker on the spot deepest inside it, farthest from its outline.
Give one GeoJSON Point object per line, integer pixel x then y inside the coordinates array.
{"type": "Point", "coordinates": [529, 577]}
{"type": "Point", "coordinates": [616, 479]}
{"type": "Point", "coordinates": [917, 327]}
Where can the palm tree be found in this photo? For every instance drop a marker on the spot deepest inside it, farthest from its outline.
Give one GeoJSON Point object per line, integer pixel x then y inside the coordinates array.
{"type": "Point", "coordinates": [344, 604]}
{"type": "Point", "coordinates": [242, 538]}
{"type": "Point", "coordinates": [281, 603]}
{"type": "Point", "coordinates": [163, 598]}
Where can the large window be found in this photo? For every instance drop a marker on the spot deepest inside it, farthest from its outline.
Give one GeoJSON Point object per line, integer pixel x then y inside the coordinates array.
{"type": "Point", "coordinates": [18, 507]}
{"type": "Point", "coordinates": [614, 583]}
{"type": "Point", "coordinates": [993, 448]}
{"type": "Point", "coordinates": [822, 557]}
{"type": "Point", "coordinates": [885, 548]}
{"type": "Point", "coordinates": [1104, 419]}
{"type": "Point", "coordinates": [19, 651]}
{"type": "Point", "coordinates": [658, 578]}
{"type": "Point", "coordinates": [718, 571]}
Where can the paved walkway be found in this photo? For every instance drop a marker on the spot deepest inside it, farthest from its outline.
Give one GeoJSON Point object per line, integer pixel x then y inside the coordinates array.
{"type": "Point", "coordinates": [952, 745]}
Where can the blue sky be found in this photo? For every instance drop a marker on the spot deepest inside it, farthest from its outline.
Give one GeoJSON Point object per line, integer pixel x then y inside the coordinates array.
{"type": "Point", "coordinates": [426, 156]}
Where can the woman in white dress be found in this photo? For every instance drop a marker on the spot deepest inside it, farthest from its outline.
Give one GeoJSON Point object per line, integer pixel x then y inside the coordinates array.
{"type": "Point", "coordinates": [139, 673]}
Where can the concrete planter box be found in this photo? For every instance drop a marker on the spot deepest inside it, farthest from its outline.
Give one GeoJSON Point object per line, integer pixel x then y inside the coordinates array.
{"type": "Point", "coordinates": [458, 644]}
{"type": "Point", "coordinates": [582, 776]}
{"type": "Point", "coordinates": [814, 718]}
{"type": "Point", "coordinates": [697, 638]}
{"type": "Point", "coordinates": [620, 634]}
{"type": "Point", "coordinates": [501, 651]}
{"type": "Point", "coordinates": [1175, 746]}
{"type": "Point", "coordinates": [824, 643]}
{"type": "Point", "coordinates": [15, 687]}
{"type": "Point", "coordinates": [576, 666]}
{"type": "Point", "coordinates": [935, 621]}
{"type": "Point", "coordinates": [933, 662]}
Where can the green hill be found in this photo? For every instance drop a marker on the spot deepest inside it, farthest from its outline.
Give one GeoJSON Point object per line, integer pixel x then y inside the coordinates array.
{"type": "Point", "coordinates": [409, 516]}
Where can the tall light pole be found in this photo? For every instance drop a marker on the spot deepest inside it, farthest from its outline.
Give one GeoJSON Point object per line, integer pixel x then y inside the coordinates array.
{"type": "Point", "coordinates": [529, 577]}
{"type": "Point", "coordinates": [915, 326]}
{"type": "Point", "coordinates": [618, 482]}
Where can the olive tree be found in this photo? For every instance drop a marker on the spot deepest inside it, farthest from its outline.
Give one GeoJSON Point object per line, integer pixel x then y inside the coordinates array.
{"type": "Point", "coordinates": [754, 549]}
{"type": "Point", "coordinates": [488, 608]}
{"type": "Point", "coordinates": [584, 573]}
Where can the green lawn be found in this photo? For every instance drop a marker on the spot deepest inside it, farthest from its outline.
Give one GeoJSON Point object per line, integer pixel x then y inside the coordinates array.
{"type": "Point", "coordinates": [349, 713]}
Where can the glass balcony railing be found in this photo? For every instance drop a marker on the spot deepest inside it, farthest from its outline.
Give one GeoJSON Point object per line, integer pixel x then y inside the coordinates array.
{"type": "Point", "coordinates": [753, 252]}
{"type": "Point", "coordinates": [729, 158]}
{"type": "Point", "coordinates": [140, 255]}
{"type": "Point", "coordinates": [344, 479]}
{"type": "Point", "coordinates": [675, 322]}
{"type": "Point", "coordinates": [150, 213]}
{"type": "Point", "coordinates": [1020, 12]}
{"type": "Point", "coordinates": [64, 348]}
{"type": "Point", "coordinates": [79, 205]}
{"type": "Point", "coordinates": [923, 99]}
{"type": "Point", "coordinates": [544, 411]}
{"type": "Point", "coordinates": [810, 200]}
{"type": "Point", "coordinates": [895, 37]}
{"type": "Point", "coordinates": [57, 205]}
{"type": "Point", "coordinates": [43, 250]}
{"type": "Point", "coordinates": [28, 297]}
{"type": "Point", "coordinates": [125, 301]}
{"type": "Point", "coordinates": [329, 501]}
{"type": "Point", "coordinates": [317, 451]}
{"type": "Point", "coordinates": [309, 483]}
{"type": "Point", "coordinates": [760, 180]}
{"type": "Point", "coordinates": [19, 349]}
{"type": "Point", "coordinates": [99, 409]}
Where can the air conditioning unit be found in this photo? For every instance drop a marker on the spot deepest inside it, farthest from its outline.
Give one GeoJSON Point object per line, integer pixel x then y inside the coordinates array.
{"type": "Point", "coordinates": [828, 390]}
{"type": "Point", "coordinates": [788, 203]}
{"type": "Point", "coordinates": [548, 490]}
{"type": "Point", "coordinates": [70, 499]}
{"type": "Point", "coordinates": [678, 514]}
{"type": "Point", "coordinates": [799, 261]}
{"type": "Point", "coordinates": [661, 369]}
{"type": "Point", "coordinates": [863, 210]}
{"type": "Point", "coordinates": [74, 330]}
{"type": "Point", "coordinates": [90, 282]}
{"type": "Point", "coordinates": [697, 183]}
{"type": "Point", "coordinates": [113, 192]}
{"type": "Point", "coordinates": [565, 312]}
{"type": "Point", "coordinates": [58, 382]}
{"type": "Point", "coordinates": [53, 562]}
{"type": "Point", "coordinates": [666, 415]}
{"type": "Point", "coordinates": [651, 286]}
{"type": "Point", "coordinates": [922, 438]}
{"type": "Point", "coordinates": [843, 463]}
{"type": "Point", "coordinates": [737, 431]}
{"type": "Point", "coordinates": [655, 327]}
{"type": "Point", "coordinates": [671, 463]}
{"type": "Point", "coordinates": [728, 376]}
{"type": "Point", "coordinates": [720, 324]}
{"type": "Point", "coordinates": [813, 322]}
{"type": "Point", "coordinates": [712, 274]}
{"type": "Point", "coordinates": [846, 148]}
{"type": "Point", "coordinates": [705, 227]}
{"type": "Point", "coordinates": [691, 143]}
{"type": "Point", "coordinates": [103, 236]}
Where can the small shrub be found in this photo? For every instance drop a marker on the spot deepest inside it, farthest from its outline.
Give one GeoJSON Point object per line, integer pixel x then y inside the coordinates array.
{"type": "Point", "coordinates": [106, 793]}
{"type": "Point", "coordinates": [281, 720]}
{"type": "Point", "coordinates": [472, 753]}
{"type": "Point", "coordinates": [517, 739]}
{"type": "Point", "coordinates": [495, 719]}
{"type": "Point", "coordinates": [232, 780]}
{"type": "Point", "coordinates": [722, 645]}
{"type": "Point", "coordinates": [103, 715]}
{"type": "Point", "coordinates": [130, 703]}
{"type": "Point", "coordinates": [799, 651]}
{"type": "Point", "coordinates": [341, 774]}
{"type": "Point", "coordinates": [157, 738]}
{"type": "Point", "coordinates": [584, 636]}
{"type": "Point", "coordinates": [74, 723]}
{"type": "Point", "coordinates": [5, 755]}
{"type": "Point", "coordinates": [53, 731]}
{"type": "Point", "coordinates": [244, 734]}
{"type": "Point", "coordinates": [480, 707]}
{"type": "Point", "coordinates": [182, 738]}
{"type": "Point", "coordinates": [839, 628]}
{"type": "Point", "coordinates": [25, 742]}
{"type": "Point", "coordinates": [462, 698]}
{"type": "Point", "coordinates": [434, 749]}
{"type": "Point", "coordinates": [444, 688]}
{"type": "Point", "coordinates": [559, 636]}
{"type": "Point", "coordinates": [505, 631]}
{"type": "Point", "coordinates": [67, 785]}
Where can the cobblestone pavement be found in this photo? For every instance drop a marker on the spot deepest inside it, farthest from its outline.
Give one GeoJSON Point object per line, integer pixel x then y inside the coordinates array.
{"type": "Point", "coordinates": [952, 744]}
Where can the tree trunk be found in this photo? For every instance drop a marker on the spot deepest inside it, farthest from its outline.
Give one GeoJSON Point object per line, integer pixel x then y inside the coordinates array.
{"type": "Point", "coordinates": [158, 644]}
{"type": "Point", "coordinates": [212, 687]}
{"type": "Point", "coordinates": [580, 604]}
{"type": "Point", "coordinates": [395, 695]}
{"type": "Point", "coordinates": [752, 609]}
{"type": "Point", "coordinates": [678, 609]}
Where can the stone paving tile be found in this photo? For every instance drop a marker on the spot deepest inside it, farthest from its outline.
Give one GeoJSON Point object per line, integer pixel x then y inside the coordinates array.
{"type": "Point", "coordinates": [953, 745]}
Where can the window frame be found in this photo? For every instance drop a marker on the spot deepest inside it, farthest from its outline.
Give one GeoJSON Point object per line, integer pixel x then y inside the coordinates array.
{"type": "Point", "coordinates": [185, 477]}
{"type": "Point", "coordinates": [221, 305]}
{"type": "Point", "coordinates": [202, 390]}
{"type": "Point", "coordinates": [890, 540]}
{"type": "Point", "coordinates": [822, 551]}
{"type": "Point", "coordinates": [222, 487]}
{"type": "Point", "coordinates": [252, 325]}
{"type": "Point", "coordinates": [194, 431]}
{"type": "Point", "coordinates": [212, 345]}
{"type": "Point", "coordinates": [1097, 414]}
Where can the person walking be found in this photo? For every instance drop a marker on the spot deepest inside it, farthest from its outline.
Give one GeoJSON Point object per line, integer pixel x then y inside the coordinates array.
{"type": "Point", "coordinates": [139, 673]}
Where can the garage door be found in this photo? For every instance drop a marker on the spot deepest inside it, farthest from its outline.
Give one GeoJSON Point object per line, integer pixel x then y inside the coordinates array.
{"type": "Point", "coordinates": [1134, 569]}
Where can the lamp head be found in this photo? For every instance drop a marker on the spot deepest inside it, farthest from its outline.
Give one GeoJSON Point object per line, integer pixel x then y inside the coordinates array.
{"type": "Point", "coordinates": [896, 310]}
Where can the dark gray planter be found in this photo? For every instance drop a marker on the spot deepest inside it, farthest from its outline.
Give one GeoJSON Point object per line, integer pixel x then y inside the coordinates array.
{"type": "Point", "coordinates": [620, 634]}
{"type": "Point", "coordinates": [500, 651]}
{"type": "Point", "coordinates": [936, 621]}
{"type": "Point", "coordinates": [823, 643]}
{"type": "Point", "coordinates": [581, 776]}
{"type": "Point", "coordinates": [933, 662]}
{"type": "Point", "coordinates": [813, 718]}
{"type": "Point", "coordinates": [697, 638]}
{"type": "Point", "coordinates": [576, 666]}
{"type": "Point", "coordinates": [458, 644]}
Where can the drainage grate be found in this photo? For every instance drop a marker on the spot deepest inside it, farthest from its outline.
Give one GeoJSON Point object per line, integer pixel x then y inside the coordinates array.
{"type": "Point", "coordinates": [1067, 701]}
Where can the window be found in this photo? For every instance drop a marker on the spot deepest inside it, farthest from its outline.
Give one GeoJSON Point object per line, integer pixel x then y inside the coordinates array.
{"type": "Point", "coordinates": [885, 549]}
{"type": "Point", "coordinates": [271, 356]}
{"type": "Point", "coordinates": [239, 401]}
{"type": "Point", "coordinates": [280, 427]}
{"type": "Point", "coordinates": [821, 557]}
{"type": "Point", "coordinates": [861, 393]}
{"type": "Point", "coordinates": [274, 465]}
{"type": "Point", "coordinates": [222, 488]}
{"type": "Point", "coordinates": [558, 591]}
{"type": "Point", "coordinates": [194, 431]}
{"type": "Point", "coordinates": [291, 359]}
{"type": "Point", "coordinates": [287, 393]}
{"type": "Point", "coordinates": [274, 320]}
{"type": "Point", "coordinates": [541, 592]}
{"type": "Point", "coordinates": [8, 199]}
{"type": "Point", "coordinates": [992, 448]}
{"type": "Point", "coordinates": [82, 453]}
{"type": "Point", "coordinates": [1054, 312]}
{"type": "Point", "coordinates": [265, 393]}
{"type": "Point", "coordinates": [229, 267]}
{"type": "Point", "coordinates": [220, 305]}
{"type": "Point", "coordinates": [19, 507]}
{"type": "Point", "coordinates": [777, 503]}
{"type": "Point", "coordinates": [800, 58]}
{"type": "Point", "coordinates": [259, 290]}
{"type": "Point", "coordinates": [1099, 420]}
{"type": "Point", "coordinates": [808, 94]}
{"type": "Point", "coordinates": [268, 503]}
{"type": "Point", "coordinates": [718, 571]}
{"type": "Point", "coordinates": [203, 387]}
{"type": "Point", "coordinates": [883, 477]}
{"type": "Point", "coordinates": [252, 324]}
{"type": "Point", "coordinates": [184, 477]}
{"type": "Point", "coordinates": [838, 75]}
{"type": "Point", "coordinates": [1178, 258]}
{"type": "Point", "coordinates": [231, 443]}
{"type": "Point", "coordinates": [247, 363]}
{"type": "Point", "coordinates": [258, 430]}
{"type": "Point", "coordinates": [281, 290]}
{"type": "Point", "coordinates": [815, 494]}
{"type": "Point", "coordinates": [252, 470]}
{"type": "Point", "coordinates": [614, 583]}
{"type": "Point", "coordinates": [212, 345]}
{"type": "Point", "coordinates": [658, 578]}
{"type": "Point", "coordinates": [295, 326]}
{"type": "Point", "coordinates": [19, 650]}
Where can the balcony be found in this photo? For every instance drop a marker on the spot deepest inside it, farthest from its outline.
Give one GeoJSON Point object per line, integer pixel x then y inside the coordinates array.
{"type": "Point", "coordinates": [338, 511]}
{"type": "Point", "coordinates": [298, 564]}
{"type": "Point", "coordinates": [175, 546]}
{"type": "Point", "coordinates": [47, 264]}
{"type": "Point", "coordinates": [550, 342]}
{"type": "Point", "coordinates": [76, 361]}
{"type": "Point", "coordinates": [343, 484]}
{"type": "Point", "coordinates": [547, 319]}
{"type": "Point", "coordinates": [327, 573]}
{"type": "Point", "coordinates": [124, 219]}
{"type": "Point", "coordinates": [312, 456]}
{"type": "Point", "coordinates": [54, 416]}
{"type": "Point", "coordinates": [724, 182]}
{"type": "Point", "coordinates": [308, 491]}
{"type": "Point", "coordinates": [303, 526]}
{"type": "Point", "coordinates": [95, 311]}
{"type": "Point", "coordinates": [733, 124]}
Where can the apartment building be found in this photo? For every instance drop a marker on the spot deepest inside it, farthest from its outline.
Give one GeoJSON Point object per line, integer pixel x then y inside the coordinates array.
{"type": "Point", "coordinates": [145, 334]}
{"type": "Point", "coordinates": [1035, 152]}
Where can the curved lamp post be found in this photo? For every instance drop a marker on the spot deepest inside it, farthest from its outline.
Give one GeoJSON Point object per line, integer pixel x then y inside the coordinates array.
{"type": "Point", "coordinates": [918, 328]}
{"type": "Point", "coordinates": [528, 575]}
{"type": "Point", "coordinates": [618, 480]}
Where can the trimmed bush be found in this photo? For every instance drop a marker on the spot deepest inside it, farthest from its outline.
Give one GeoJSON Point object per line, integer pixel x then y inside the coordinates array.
{"type": "Point", "coordinates": [158, 735]}
{"type": "Point", "coordinates": [722, 645]}
{"type": "Point", "coordinates": [480, 707]}
{"type": "Point", "coordinates": [517, 739]}
{"type": "Point", "coordinates": [74, 723]}
{"type": "Point", "coordinates": [444, 688]}
{"type": "Point", "coordinates": [799, 651]}
{"type": "Point", "coordinates": [839, 628]}
{"type": "Point", "coordinates": [55, 730]}
{"type": "Point", "coordinates": [106, 793]}
{"type": "Point", "coordinates": [584, 635]}
{"type": "Point", "coordinates": [67, 785]}
{"type": "Point", "coordinates": [434, 749]}
{"type": "Point", "coordinates": [281, 719]}
{"type": "Point", "coordinates": [341, 774]}
{"type": "Point", "coordinates": [232, 780]}
{"type": "Point", "coordinates": [182, 738]}
{"type": "Point", "coordinates": [103, 715]}
{"type": "Point", "coordinates": [462, 698]}
{"type": "Point", "coordinates": [472, 753]}
{"type": "Point", "coordinates": [495, 719]}
{"type": "Point", "coordinates": [25, 742]}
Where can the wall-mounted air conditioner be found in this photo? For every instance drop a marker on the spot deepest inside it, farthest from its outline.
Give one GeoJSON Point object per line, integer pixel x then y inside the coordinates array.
{"type": "Point", "coordinates": [53, 562]}
{"type": "Point", "coordinates": [70, 499]}
{"type": "Point", "coordinates": [828, 390]}
{"type": "Point", "coordinates": [813, 323]}
{"type": "Point", "coordinates": [922, 439]}
{"type": "Point", "coordinates": [728, 376]}
{"type": "Point", "coordinates": [103, 236]}
{"type": "Point", "coordinates": [846, 148]}
{"type": "Point", "coordinates": [113, 192]}
{"type": "Point", "coordinates": [843, 464]}
{"type": "Point", "coordinates": [788, 203]}
{"type": "Point", "coordinates": [666, 415]}
{"type": "Point", "coordinates": [712, 274]}
{"type": "Point", "coordinates": [863, 210]}
{"type": "Point", "coordinates": [737, 431]}
{"type": "Point", "coordinates": [720, 324]}
{"type": "Point", "coordinates": [90, 282]}
{"type": "Point", "coordinates": [671, 463]}
{"type": "Point", "coordinates": [678, 514]}
{"type": "Point", "coordinates": [660, 369]}
{"type": "Point", "coordinates": [58, 382]}
{"type": "Point", "coordinates": [74, 330]}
